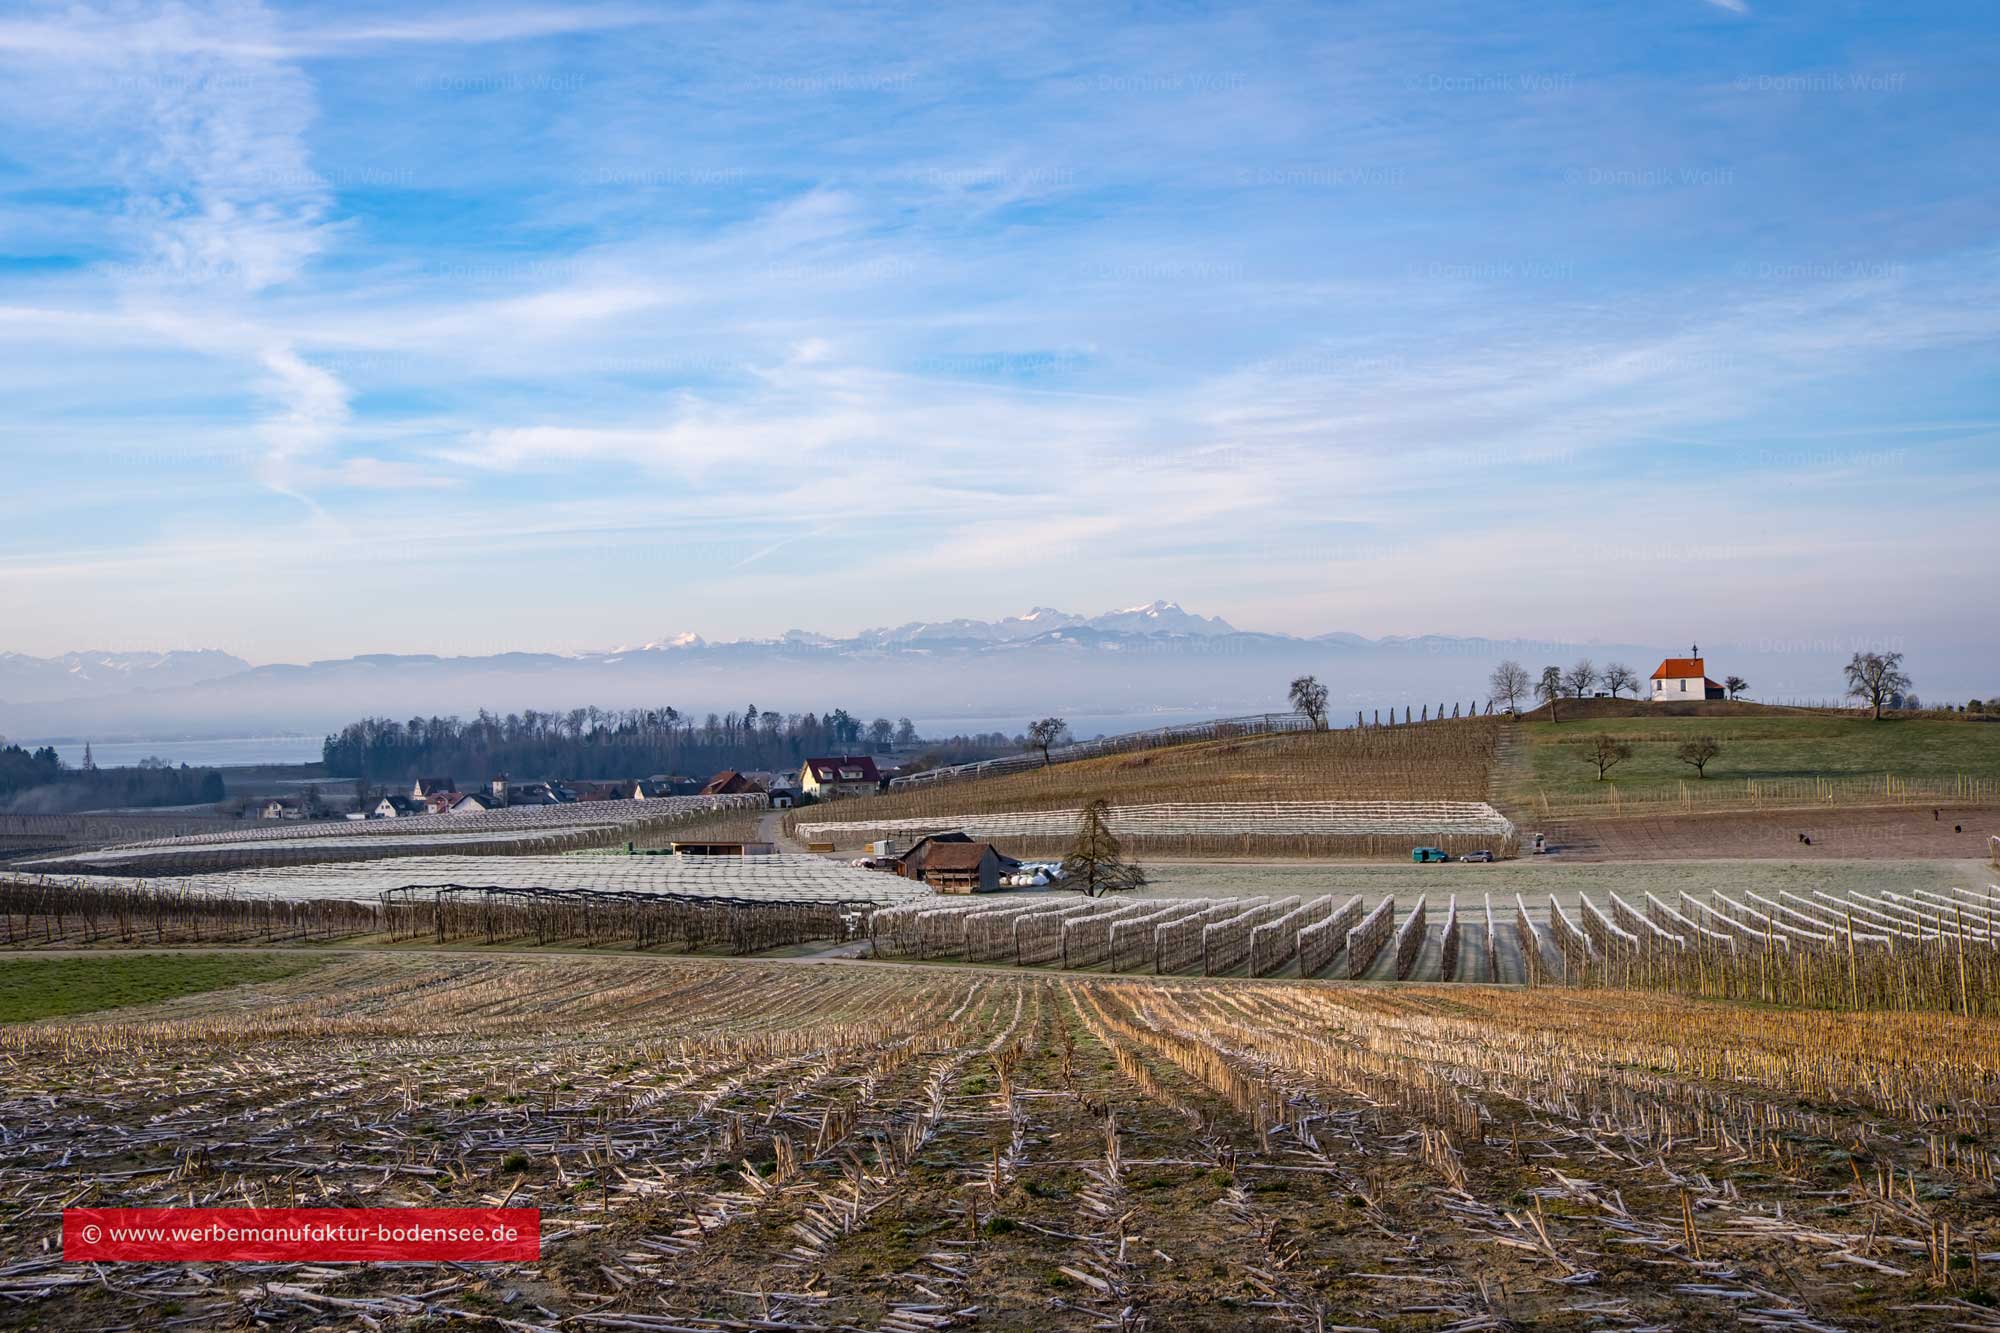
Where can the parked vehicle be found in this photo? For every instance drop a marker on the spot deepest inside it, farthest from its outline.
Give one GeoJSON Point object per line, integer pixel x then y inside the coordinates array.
{"type": "Point", "coordinates": [1429, 854]}
{"type": "Point", "coordinates": [1481, 855]}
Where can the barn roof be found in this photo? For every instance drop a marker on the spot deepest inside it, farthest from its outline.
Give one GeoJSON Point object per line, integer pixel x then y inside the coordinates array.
{"type": "Point", "coordinates": [957, 855]}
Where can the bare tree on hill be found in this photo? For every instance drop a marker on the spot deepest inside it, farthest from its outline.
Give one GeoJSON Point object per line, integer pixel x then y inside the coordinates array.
{"type": "Point", "coordinates": [1618, 676]}
{"type": "Point", "coordinates": [1509, 684]}
{"type": "Point", "coordinates": [1309, 698]}
{"type": "Point", "coordinates": [1875, 677]}
{"type": "Point", "coordinates": [1581, 677]}
{"type": "Point", "coordinates": [1607, 752]}
{"type": "Point", "coordinates": [1047, 732]}
{"type": "Point", "coordinates": [1549, 689]}
{"type": "Point", "coordinates": [1698, 752]}
{"type": "Point", "coordinates": [1735, 685]}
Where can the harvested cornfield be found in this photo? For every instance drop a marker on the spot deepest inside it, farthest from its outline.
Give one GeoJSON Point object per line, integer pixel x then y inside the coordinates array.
{"type": "Point", "coordinates": [734, 1146]}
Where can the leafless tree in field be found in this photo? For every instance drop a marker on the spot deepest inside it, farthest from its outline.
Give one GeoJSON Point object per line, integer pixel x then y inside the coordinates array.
{"type": "Point", "coordinates": [1581, 677]}
{"type": "Point", "coordinates": [1549, 689]}
{"type": "Point", "coordinates": [1697, 752]}
{"type": "Point", "coordinates": [1735, 685]}
{"type": "Point", "coordinates": [1617, 676]}
{"type": "Point", "coordinates": [1876, 676]}
{"type": "Point", "coordinates": [1509, 684]}
{"type": "Point", "coordinates": [1309, 698]}
{"type": "Point", "coordinates": [1045, 733]}
{"type": "Point", "coordinates": [1607, 752]}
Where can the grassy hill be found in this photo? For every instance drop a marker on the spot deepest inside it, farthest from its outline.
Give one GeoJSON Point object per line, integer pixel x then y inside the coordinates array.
{"type": "Point", "coordinates": [1786, 752]}
{"type": "Point", "coordinates": [1434, 761]}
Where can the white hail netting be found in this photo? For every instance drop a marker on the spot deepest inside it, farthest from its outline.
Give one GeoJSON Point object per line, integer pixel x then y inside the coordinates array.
{"type": "Point", "coordinates": [779, 878]}
{"type": "Point", "coordinates": [576, 814]}
{"type": "Point", "coordinates": [1198, 819]}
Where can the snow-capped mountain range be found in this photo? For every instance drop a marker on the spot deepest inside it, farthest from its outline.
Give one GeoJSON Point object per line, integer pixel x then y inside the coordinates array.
{"type": "Point", "coordinates": [1136, 660]}
{"type": "Point", "coordinates": [82, 675]}
{"type": "Point", "coordinates": [1148, 621]}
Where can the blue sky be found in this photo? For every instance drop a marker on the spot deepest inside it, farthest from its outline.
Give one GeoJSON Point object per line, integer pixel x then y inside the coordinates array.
{"type": "Point", "coordinates": [418, 327]}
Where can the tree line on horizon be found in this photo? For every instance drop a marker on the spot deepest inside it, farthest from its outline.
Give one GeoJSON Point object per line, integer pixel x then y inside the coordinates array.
{"type": "Point", "coordinates": [39, 782]}
{"type": "Point", "coordinates": [597, 743]}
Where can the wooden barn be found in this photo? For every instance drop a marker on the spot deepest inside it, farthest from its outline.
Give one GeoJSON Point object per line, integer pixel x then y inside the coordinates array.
{"type": "Point", "coordinates": [961, 867]}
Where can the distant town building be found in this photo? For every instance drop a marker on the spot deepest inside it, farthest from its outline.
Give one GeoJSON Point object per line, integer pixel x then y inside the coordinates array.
{"type": "Point", "coordinates": [729, 782]}
{"type": "Point", "coordinates": [1685, 678]}
{"type": "Point", "coordinates": [840, 775]}
{"type": "Point", "coordinates": [424, 789]}
{"type": "Point", "coordinates": [280, 807]}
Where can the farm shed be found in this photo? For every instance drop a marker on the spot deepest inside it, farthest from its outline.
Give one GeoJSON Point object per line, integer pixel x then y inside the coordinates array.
{"type": "Point", "coordinates": [910, 864]}
{"type": "Point", "coordinates": [962, 867]}
{"type": "Point", "coordinates": [723, 848]}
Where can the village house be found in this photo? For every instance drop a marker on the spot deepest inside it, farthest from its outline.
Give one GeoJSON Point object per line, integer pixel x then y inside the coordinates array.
{"type": "Point", "coordinates": [729, 782]}
{"type": "Point", "coordinates": [1685, 678]}
{"type": "Point", "coordinates": [423, 789]}
{"type": "Point", "coordinates": [463, 805]}
{"type": "Point", "coordinates": [504, 792]}
{"type": "Point", "coordinates": [397, 806]}
{"type": "Point", "coordinates": [840, 775]}
{"type": "Point", "coordinates": [281, 807]}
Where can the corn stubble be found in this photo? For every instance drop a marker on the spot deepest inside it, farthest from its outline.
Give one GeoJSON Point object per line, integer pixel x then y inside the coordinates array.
{"type": "Point", "coordinates": [729, 1145]}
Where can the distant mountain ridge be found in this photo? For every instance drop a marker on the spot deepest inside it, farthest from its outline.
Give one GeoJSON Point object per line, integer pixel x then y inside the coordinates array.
{"type": "Point", "coordinates": [1133, 661]}
{"type": "Point", "coordinates": [97, 672]}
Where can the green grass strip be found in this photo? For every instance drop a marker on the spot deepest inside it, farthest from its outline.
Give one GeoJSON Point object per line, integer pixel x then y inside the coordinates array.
{"type": "Point", "coordinates": [33, 988]}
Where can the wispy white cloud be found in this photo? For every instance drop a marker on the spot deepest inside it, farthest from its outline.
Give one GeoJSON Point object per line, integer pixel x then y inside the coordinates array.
{"type": "Point", "coordinates": [1011, 316]}
{"type": "Point", "coordinates": [100, 36]}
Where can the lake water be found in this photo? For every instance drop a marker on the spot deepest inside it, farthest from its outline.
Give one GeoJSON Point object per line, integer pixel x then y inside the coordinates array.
{"type": "Point", "coordinates": [1080, 726]}
{"type": "Point", "coordinates": [234, 751]}
{"type": "Point", "coordinates": [224, 752]}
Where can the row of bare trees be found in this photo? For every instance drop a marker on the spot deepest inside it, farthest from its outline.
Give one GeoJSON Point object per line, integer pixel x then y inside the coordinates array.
{"type": "Point", "coordinates": [1876, 679]}
{"type": "Point", "coordinates": [1510, 683]}
{"type": "Point", "coordinates": [1606, 752]}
